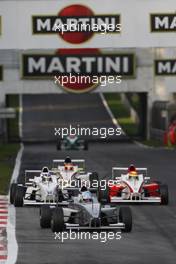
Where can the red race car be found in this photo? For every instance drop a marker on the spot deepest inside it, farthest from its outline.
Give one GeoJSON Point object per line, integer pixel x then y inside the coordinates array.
{"type": "Point", "coordinates": [170, 135]}
{"type": "Point", "coordinates": [131, 185]}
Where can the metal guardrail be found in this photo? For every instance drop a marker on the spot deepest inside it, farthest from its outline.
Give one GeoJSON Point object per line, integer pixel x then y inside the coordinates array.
{"type": "Point", "coordinates": [157, 134]}
{"type": "Point", "coordinates": [7, 113]}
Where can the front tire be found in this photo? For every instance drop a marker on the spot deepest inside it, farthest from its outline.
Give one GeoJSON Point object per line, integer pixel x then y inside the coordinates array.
{"type": "Point", "coordinates": [57, 221]}
{"type": "Point", "coordinates": [93, 178]}
{"type": "Point", "coordinates": [164, 194]}
{"type": "Point", "coordinates": [19, 195]}
{"type": "Point", "coordinates": [45, 216]}
{"type": "Point", "coordinates": [85, 145]}
{"type": "Point", "coordinates": [58, 145]}
{"type": "Point", "coordinates": [12, 192]}
{"type": "Point", "coordinates": [104, 195]}
{"type": "Point", "coordinates": [125, 216]}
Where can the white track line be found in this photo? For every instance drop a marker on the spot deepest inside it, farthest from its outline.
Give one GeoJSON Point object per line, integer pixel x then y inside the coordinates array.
{"type": "Point", "coordinates": [11, 224]}
{"type": "Point", "coordinates": [114, 120]}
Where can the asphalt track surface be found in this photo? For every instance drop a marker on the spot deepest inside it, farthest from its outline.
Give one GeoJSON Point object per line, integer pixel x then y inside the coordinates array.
{"type": "Point", "coordinates": [43, 113]}
{"type": "Point", "coordinates": [153, 238]}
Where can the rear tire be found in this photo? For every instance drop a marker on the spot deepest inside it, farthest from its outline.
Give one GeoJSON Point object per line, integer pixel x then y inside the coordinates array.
{"type": "Point", "coordinates": [104, 219]}
{"type": "Point", "coordinates": [12, 192]}
{"type": "Point", "coordinates": [93, 178]}
{"type": "Point", "coordinates": [104, 195]}
{"type": "Point", "coordinates": [45, 216]}
{"type": "Point", "coordinates": [19, 195]}
{"type": "Point", "coordinates": [60, 196]}
{"type": "Point", "coordinates": [125, 216]}
{"type": "Point", "coordinates": [164, 194]}
{"type": "Point", "coordinates": [58, 145]}
{"type": "Point", "coordinates": [85, 145]}
{"type": "Point", "coordinates": [57, 220]}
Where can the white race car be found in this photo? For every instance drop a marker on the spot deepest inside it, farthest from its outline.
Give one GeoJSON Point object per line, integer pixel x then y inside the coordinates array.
{"type": "Point", "coordinates": [85, 212]}
{"type": "Point", "coordinates": [71, 173]}
{"type": "Point", "coordinates": [40, 187]}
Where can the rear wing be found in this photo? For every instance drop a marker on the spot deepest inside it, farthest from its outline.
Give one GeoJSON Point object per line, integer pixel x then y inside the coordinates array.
{"type": "Point", "coordinates": [118, 171]}
{"type": "Point", "coordinates": [79, 162]}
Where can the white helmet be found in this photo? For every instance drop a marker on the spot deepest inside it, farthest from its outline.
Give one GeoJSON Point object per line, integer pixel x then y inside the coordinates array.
{"type": "Point", "coordinates": [45, 174]}
{"type": "Point", "coordinates": [87, 196]}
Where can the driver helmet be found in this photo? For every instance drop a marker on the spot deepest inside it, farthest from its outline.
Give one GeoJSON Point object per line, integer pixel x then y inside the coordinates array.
{"type": "Point", "coordinates": [67, 160]}
{"type": "Point", "coordinates": [71, 136]}
{"type": "Point", "coordinates": [45, 169]}
{"type": "Point", "coordinates": [132, 172]}
{"type": "Point", "coordinates": [45, 174]}
{"type": "Point", "coordinates": [68, 163]}
{"type": "Point", "coordinates": [86, 196]}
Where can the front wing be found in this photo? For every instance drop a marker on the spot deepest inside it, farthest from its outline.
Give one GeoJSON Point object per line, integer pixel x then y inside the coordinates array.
{"type": "Point", "coordinates": [35, 203]}
{"type": "Point", "coordinates": [109, 227]}
{"type": "Point", "coordinates": [154, 200]}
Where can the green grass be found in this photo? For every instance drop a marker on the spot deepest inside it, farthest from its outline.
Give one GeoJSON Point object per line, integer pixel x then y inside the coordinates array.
{"type": "Point", "coordinates": [128, 125]}
{"type": "Point", "coordinates": [8, 154]}
{"type": "Point", "coordinates": [121, 113]}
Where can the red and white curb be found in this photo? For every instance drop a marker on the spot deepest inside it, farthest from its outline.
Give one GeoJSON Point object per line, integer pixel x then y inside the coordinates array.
{"type": "Point", "coordinates": [3, 228]}
{"type": "Point", "coordinates": [8, 242]}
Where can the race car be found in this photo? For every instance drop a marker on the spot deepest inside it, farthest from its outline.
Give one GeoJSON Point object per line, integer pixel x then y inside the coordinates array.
{"type": "Point", "coordinates": [170, 134]}
{"type": "Point", "coordinates": [85, 212]}
{"type": "Point", "coordinates": [131, 185]}
{"type": "Point", "coordinates": [40, 187]}
{"type": "Point", "coordinates": [71, 173]}
{"type": "Point", "coordinates": [72, 143]}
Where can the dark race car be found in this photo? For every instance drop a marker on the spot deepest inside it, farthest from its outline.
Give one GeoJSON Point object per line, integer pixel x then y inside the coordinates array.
{"type": "Point", "coordinates": [72, 143]}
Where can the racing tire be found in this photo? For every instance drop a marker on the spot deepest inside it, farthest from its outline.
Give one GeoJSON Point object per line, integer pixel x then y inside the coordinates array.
{"type": "Point", "coordinates": [125, 216]}
{"type": "Point", "coordinates": [60, 196]}
{"type": "Point", "coordinates": [45, 216]}
{"type": "Point", "coordinates": [19, 195]}
{"type": "Point", "coordinates": [95, 222]}
{"type": "Point", "coordinates": [93, 177]}
{"type": "Point", "coordinates": [104, 195]}
{"type": "Point", "coordinates": [85, 145]}
{"type": "Point", "coordinates": [158, 182]}
{"type": "Point", "coordinates": [104, 219]}
{"type": "Point", "coordinates": [13, 187]}
{"type": "Point", "coordinates": [57, 220]}
{"type": "Point", "coordinates": [58, 147]}
{"type": "Point", "coordinates": [164, 194]}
